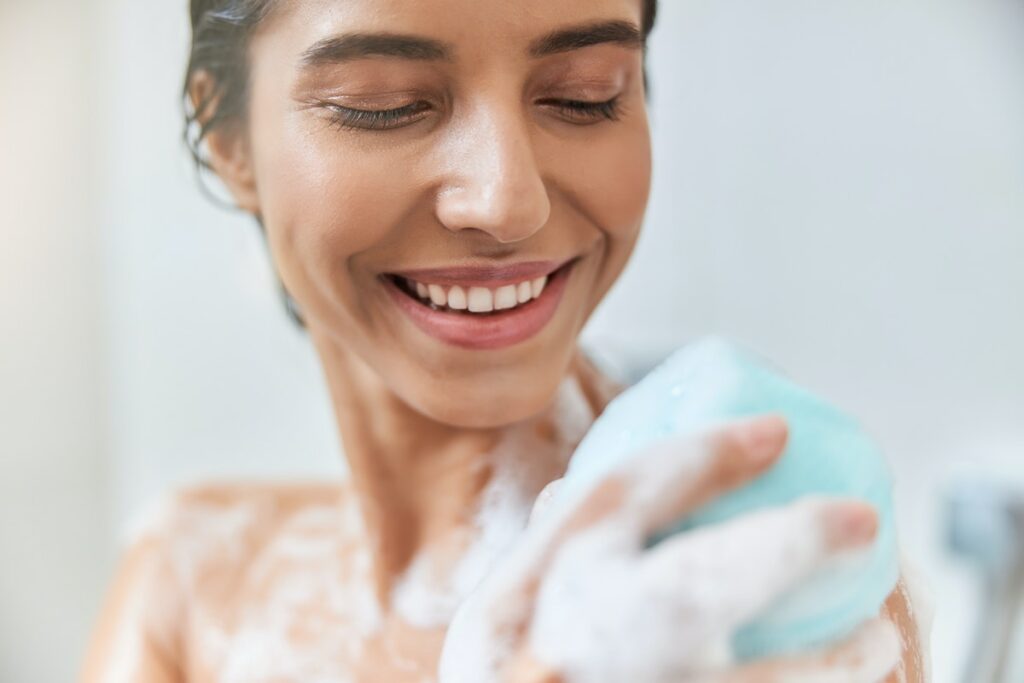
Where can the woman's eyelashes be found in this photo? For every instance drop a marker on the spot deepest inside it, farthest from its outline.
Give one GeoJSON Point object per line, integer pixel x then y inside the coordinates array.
{"type": "Point", "coordinates": [579, 111]}
{"type": "Point", "coordinates": [377, 119]}
{"type": "Point", "coordinates": [574, 111]}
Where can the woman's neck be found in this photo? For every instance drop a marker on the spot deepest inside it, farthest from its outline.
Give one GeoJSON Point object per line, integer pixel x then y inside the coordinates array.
{"type": "Point", "coordinates": [437, 499]}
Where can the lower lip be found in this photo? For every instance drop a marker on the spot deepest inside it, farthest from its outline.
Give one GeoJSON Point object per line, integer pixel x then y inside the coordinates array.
{"type": "Point", "coordinates": [486, 331]}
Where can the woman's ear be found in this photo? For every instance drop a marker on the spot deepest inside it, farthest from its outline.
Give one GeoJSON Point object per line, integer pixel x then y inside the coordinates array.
{"type": "Point", "coordinates": [227, 145]}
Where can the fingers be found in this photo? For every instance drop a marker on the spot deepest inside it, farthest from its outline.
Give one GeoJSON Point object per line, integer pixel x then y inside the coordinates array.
{"type": "Point", "coordinates": [679, 475]}
{"type": "Point", "coordinates": [646, 493]}
{"type": "Point", "coordinates": [728, 573]}
{"type": "Point", "coordinates": [868, 656]}
{"type": "Point", "coordinates": [651, 490]}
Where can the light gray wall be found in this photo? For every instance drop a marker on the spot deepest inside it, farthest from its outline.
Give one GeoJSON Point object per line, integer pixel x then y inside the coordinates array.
{"type": "Point", "coordinates": [54, 522]}
{"type": "Point", "coordinates": [208, 377]}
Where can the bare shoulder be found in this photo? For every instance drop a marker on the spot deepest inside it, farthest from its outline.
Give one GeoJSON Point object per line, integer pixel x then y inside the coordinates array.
{"type": "Point", "coordinates": [227, 495]}
{"type": "Point", "coordinates": [192, 538]}
{"type": "Point", "coordinates": [221, 511]}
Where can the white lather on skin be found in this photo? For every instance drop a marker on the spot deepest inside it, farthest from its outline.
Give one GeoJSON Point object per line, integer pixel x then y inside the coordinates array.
{"type": "Point", "coordinates": [605, 590]}
{"type": "Point", "coordinates": [260, 596]}
{"type": "Point", "coordinates": [248, 590]}
{"type": "Point", "coordinates": [600, 607]}
{"type": "Point", "coordinates": [430, 594]}
{"type": "Point", "coordinates": [253, 588]}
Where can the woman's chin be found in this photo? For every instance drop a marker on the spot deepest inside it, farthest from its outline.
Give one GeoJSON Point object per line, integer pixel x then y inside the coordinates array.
{"type": "Point", "coordinates": [476, 409]}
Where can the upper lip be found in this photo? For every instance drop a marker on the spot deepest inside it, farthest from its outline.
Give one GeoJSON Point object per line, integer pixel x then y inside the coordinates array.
{"type": "Point", "coordinates": [484, 276]}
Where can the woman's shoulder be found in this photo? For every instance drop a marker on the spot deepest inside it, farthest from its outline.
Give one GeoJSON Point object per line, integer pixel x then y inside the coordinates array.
{"type": "Point", "coordinates": [193, 542]}
{"type": "Point", "coordinates": [231, 511]}
{"type": "Point", "coordinates": [226, 495]}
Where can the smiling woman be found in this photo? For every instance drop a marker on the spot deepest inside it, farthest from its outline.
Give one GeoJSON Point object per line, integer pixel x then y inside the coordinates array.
{"type": "Point", "coordinates": [374, 138]}
{"type": "Point", "coordinates": [448, 189]}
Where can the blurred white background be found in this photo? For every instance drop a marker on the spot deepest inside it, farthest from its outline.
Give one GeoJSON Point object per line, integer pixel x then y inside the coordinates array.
{"type": "Point", "coordinates": [839, 184]}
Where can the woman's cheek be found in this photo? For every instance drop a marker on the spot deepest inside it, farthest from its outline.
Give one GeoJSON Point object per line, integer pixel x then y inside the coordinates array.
{"type": "Point", "coordinates": [610, 182]}
{"type": "Point", "coordinates": [325, 206]}
{"type": "Point", "coordinates": [607, 174]}
{"type": "Point", "coordinates": [620, 173]}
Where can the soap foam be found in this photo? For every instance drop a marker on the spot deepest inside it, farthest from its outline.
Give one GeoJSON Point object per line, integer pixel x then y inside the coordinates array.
{"type": "Point", "coordinates": [429, 593]}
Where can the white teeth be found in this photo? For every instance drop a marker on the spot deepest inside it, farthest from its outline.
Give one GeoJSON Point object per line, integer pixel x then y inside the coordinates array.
{"type": "Point", "coordinates": [538, 285]}
{"type": "Point", "coordinates": [505, 297]}
{"type": "Point", "coordinates": [457, 298]}
{"type": "Point", "coordinates": [525, 292]}
{"type": "Point", "coordinates": [480, 300]}
{"type": "Point", "coordinates": [437, 295]}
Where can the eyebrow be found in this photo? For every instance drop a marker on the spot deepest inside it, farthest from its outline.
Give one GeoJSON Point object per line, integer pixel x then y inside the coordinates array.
{"type": "Point", "coordinates": [621, 33]}
{"type": "Point", "coordinates": [352, 46]}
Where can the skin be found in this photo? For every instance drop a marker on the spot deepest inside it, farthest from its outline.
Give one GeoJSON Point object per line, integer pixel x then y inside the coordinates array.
{"type": "Point", "coordinates": [493, 171]}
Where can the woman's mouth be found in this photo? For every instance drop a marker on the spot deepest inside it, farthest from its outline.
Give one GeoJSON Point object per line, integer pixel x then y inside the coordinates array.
{"type": "Point", "coordinates": [481, 308]}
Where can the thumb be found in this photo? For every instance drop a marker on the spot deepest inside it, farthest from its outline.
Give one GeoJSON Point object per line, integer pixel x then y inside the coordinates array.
{"type": "Point", "coordinates": [542, 505]}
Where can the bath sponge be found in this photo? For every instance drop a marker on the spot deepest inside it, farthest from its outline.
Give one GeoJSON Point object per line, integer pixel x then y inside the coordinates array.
{"type": "Point", "coordinates": [715, 380]}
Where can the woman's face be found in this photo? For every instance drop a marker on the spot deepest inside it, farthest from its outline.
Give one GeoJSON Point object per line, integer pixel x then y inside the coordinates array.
{"type": "Point", "coordinates": [472, 145]}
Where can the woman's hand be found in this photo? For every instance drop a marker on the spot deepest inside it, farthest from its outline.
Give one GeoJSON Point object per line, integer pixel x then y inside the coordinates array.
{"type": "Point", "coordinates": [582, 600]}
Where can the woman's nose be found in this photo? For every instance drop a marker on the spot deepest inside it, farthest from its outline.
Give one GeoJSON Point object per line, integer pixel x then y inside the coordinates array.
{"type": "Point", "coordinates": [493, 181]}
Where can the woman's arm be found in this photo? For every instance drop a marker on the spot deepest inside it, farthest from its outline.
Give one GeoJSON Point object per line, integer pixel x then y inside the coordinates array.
{"type": "Point", "coordinates": [136, 635]}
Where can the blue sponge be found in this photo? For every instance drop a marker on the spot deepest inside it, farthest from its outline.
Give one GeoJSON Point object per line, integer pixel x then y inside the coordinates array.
{"type": "Point", "coordinates": [715, 380]}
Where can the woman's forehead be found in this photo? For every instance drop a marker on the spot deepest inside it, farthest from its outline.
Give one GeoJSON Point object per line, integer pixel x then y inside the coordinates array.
{"type": "Point", "coordinates": [449, 29]}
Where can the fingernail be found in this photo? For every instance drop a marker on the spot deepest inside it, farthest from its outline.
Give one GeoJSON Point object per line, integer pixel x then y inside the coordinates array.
{"type": "Point", "coordinates": [852, 525]}
{"type": "Point", "coordinates": [764, 436]}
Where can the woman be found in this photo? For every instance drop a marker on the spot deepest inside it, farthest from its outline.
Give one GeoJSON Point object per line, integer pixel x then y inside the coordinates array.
{"type": "Point", "coordinates": [448, 189]}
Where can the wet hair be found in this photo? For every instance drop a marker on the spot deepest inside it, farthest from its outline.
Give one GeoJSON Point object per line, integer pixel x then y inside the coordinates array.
{"type": "Point", "coordinates": [221, 31]}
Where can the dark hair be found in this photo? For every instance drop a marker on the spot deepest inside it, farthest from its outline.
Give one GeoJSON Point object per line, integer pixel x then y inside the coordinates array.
{"type": "Point", "coordinates": [220, 42]}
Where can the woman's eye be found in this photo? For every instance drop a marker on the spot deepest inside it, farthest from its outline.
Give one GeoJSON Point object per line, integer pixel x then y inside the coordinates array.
{"type": "Point", "coordinates": [586, 112]}
{"type": "Point", "coordinates": [376, 119]}
{"type": "Point", "coordinates": [576, 111]}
